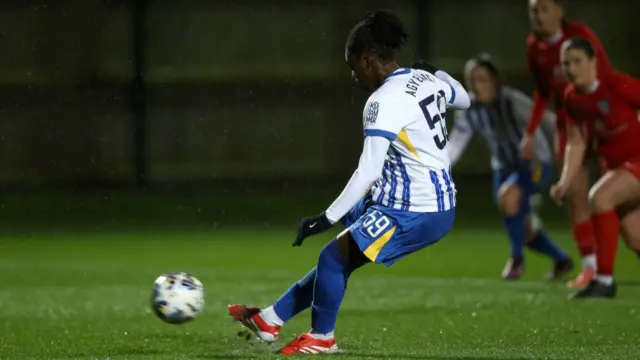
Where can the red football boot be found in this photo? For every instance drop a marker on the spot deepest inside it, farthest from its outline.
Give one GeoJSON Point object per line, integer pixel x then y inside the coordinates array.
{"type": "Point", "coordinates": [250, 318]}
{"type": "Point", "coordinates": [307, 344]}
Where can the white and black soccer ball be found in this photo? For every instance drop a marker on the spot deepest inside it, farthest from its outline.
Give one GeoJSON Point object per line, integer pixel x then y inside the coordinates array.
{"type": "Point", "coordinates": [177, 297]}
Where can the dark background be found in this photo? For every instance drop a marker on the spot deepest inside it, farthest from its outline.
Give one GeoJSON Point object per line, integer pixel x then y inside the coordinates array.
{"type": "Point", "coordinates": [208, 113]}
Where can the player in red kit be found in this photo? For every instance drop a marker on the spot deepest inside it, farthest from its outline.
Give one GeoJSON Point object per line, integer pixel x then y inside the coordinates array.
{"type": "Point", "coordinates": [607, 108]}
{"type": "Point", "coordinates": [550, 30]}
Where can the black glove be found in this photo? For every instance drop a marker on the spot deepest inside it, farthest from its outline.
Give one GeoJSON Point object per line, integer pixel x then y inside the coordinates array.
{"type": "Point", "coordinates": [311, 226]}
{"type": "Point", "coordinates": [426, 66]}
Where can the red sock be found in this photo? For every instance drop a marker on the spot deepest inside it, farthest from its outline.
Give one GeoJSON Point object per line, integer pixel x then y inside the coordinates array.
{"type": "Point", "coordinates": [585, 236]}
{"type": "Point", "coordinates": [607, 229]}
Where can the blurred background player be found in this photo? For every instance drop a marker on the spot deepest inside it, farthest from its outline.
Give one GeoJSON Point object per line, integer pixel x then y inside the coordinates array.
{"type": "Point", "coordinates": [390, 207]}
{"type": "Point", "coordinates": [608, 106]}
{"type": "Point", "coordinates": [550, 29]}
{"type": "Point", "coordinates": [499, 114]}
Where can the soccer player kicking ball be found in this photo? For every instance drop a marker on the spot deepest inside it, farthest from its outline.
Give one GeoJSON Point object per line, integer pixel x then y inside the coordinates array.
{"type": "Point", "coordinates": [400, 199]}
{"type": "Point", "coordinates": [607, 105]}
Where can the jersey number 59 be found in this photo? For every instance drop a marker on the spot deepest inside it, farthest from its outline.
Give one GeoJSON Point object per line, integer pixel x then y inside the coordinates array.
{"type": "Point", "coordinates": [434, 110]}
{"type": "Point", "coordinates": [375, 223]}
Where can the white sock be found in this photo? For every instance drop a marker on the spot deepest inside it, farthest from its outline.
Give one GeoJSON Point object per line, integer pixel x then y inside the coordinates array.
{"type": "Point", "coordinates": [605, 279]}
{"type": "Point", "coordinates": [589, 262]}
{"type": "Point", "coordinates": [269, 315]}
{"type": "Point", "coordinates": [320, 336]}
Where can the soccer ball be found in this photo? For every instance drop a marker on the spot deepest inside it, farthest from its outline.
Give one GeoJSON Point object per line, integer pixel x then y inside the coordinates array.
{"type": "Point", "coordinates": [177, 297]}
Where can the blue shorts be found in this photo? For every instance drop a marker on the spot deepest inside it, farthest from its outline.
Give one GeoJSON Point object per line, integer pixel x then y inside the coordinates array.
{"type": "Point", "coordinates": [531, 178]}
{"type": "Point", "coordinates": [385, 235]}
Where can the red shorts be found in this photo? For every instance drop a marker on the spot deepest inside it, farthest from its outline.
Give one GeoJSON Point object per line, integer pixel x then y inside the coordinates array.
{"type": "Point", "coordinates": [633, 167]}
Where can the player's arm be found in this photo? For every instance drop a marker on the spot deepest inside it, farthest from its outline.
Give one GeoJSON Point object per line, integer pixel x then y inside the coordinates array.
{"type": "Point", "coordinates": [459, 137]}
{"type": "Point", "coordinates": [540, 101]}
{"type": "Point", "coordinates": [384, 118]}
{"type": "Point", "coordinates": [376, 146]}
{"type": "Point", "coordinates": [574, 154]}
{"type": "Point", "coordinates": [573, 157]}
{"type": "Point", "coordinates": [523, 106]}
{"type": "Point", "coordinates": [540, 105]}
{"type": "Point", "coordinates": [455, 94]}
{"type": "Point", "coordinates": [374, 153]}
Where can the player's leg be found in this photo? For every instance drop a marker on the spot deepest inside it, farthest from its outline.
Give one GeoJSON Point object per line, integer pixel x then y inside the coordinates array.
{"type": "Point", "coordinates": [299, 297]}
{"type": "Point", "coordinates": [383, 235]}
{"type": "Point", "coordinates": [510, 199]}
{"type": "Point", "coordinates": [629, 216]}
{"type": "Point", "coordinates": [513, 200]}
{"type": "Point", "coordinates": [579, 213]}
{"type": "Point", "coordinates": [266, 323]}
{"type": "Point", "coordinates": [531, 180]}
{"type": "Point", "coordinates": [616, 188]}
{"type": "Point", "coordinates": [337, 260]}
{"type": "Point", "coordinates": [582, 228]}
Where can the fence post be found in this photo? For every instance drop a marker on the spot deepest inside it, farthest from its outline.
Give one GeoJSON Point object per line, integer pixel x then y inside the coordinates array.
{"type": "Point", "coordinates": [138, 93]}
{"type": "Point", "coordinates": [423, 20]}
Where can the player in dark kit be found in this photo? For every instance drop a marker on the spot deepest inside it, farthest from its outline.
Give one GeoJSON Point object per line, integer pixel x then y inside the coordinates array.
{"type": "Point", "coordinates": [550, 30]}
{"type": "Point", "coordinates": [607, 106]}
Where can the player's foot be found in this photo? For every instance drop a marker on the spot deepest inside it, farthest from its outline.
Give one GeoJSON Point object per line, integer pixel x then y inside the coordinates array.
{"type": "Point", "coordinates": [307, 344]}
{"type": "Point", "coordinates": [596, 289]}
{"type": "Point", "coordinates": [250, 318]}
{"type": "Point", "coordinates": [560, 269]}
{"type": "Point", "coordinates": [514, 269]}
{"type": "Point", "coordinates": [583, 279]}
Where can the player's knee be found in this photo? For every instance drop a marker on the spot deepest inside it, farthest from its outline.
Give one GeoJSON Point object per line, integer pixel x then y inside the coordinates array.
{"type": "Point", "coordinates": [600, 201]}
{"type": "Point", "coordinates": [631, 240]}
{"type": "Point", "coordinates": [510, 198]}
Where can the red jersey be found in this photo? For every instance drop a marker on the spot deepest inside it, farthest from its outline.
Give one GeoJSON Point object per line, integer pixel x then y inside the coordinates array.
{"type": "Point", "coordinates": [611, 114]}
{"type": "Point", "coordinates": [543, 60]}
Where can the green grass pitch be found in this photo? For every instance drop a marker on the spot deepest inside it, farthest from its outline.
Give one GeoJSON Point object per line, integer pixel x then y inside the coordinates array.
{"type": "Point", "coordinates": [86, 296]}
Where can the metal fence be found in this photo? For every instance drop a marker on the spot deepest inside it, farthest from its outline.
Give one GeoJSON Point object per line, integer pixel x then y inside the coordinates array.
{"type": "Point", "coordinates": [99, 91]}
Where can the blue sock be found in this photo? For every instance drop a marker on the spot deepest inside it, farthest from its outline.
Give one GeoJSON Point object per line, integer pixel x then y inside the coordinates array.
{"type": "Point", "coordinates": [332, 273]}
{"type": "Point", "coordinates": [542, 243]}
{"type": "Point", "coordinates": [297, 299]}
{"type": "Point", "coordinates": [517, 233]}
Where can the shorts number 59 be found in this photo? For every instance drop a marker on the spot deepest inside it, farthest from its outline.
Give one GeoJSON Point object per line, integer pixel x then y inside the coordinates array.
{"type": "Point", "coordinates": [376, 223]}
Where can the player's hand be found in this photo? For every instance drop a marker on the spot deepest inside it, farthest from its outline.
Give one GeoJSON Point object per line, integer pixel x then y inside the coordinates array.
{"type": "Point", "coordinates": [311, 226]}
{"type": "Point", "coordinates": [527, 147]}
{"type": "Point", "coordinates": [557, 193]}
{"type": "Point", "coordinates": [426, 66]}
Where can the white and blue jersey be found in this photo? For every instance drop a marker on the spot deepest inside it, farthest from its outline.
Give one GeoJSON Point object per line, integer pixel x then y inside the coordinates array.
{"type": "Point", "coordinates": [409, 110]}
{"type": "Point", "coordinates": [402, 197]}
{"type": "Point", "coordinates": [501, 124]}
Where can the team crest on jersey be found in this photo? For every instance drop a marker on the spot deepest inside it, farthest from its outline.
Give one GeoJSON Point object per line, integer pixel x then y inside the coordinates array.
{"type": "Point", "coordinates": [372, 113]}
{"type": "Point", "coordinates": [604, 106]}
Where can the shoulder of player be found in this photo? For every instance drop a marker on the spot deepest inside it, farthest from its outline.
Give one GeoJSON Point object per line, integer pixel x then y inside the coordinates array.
{"type": "Point", "coordinates": [388, 97]}
{"type": "Point", "coordinates": [396, 89]}
{"type": "Point", "coordinates": [618, 83]}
